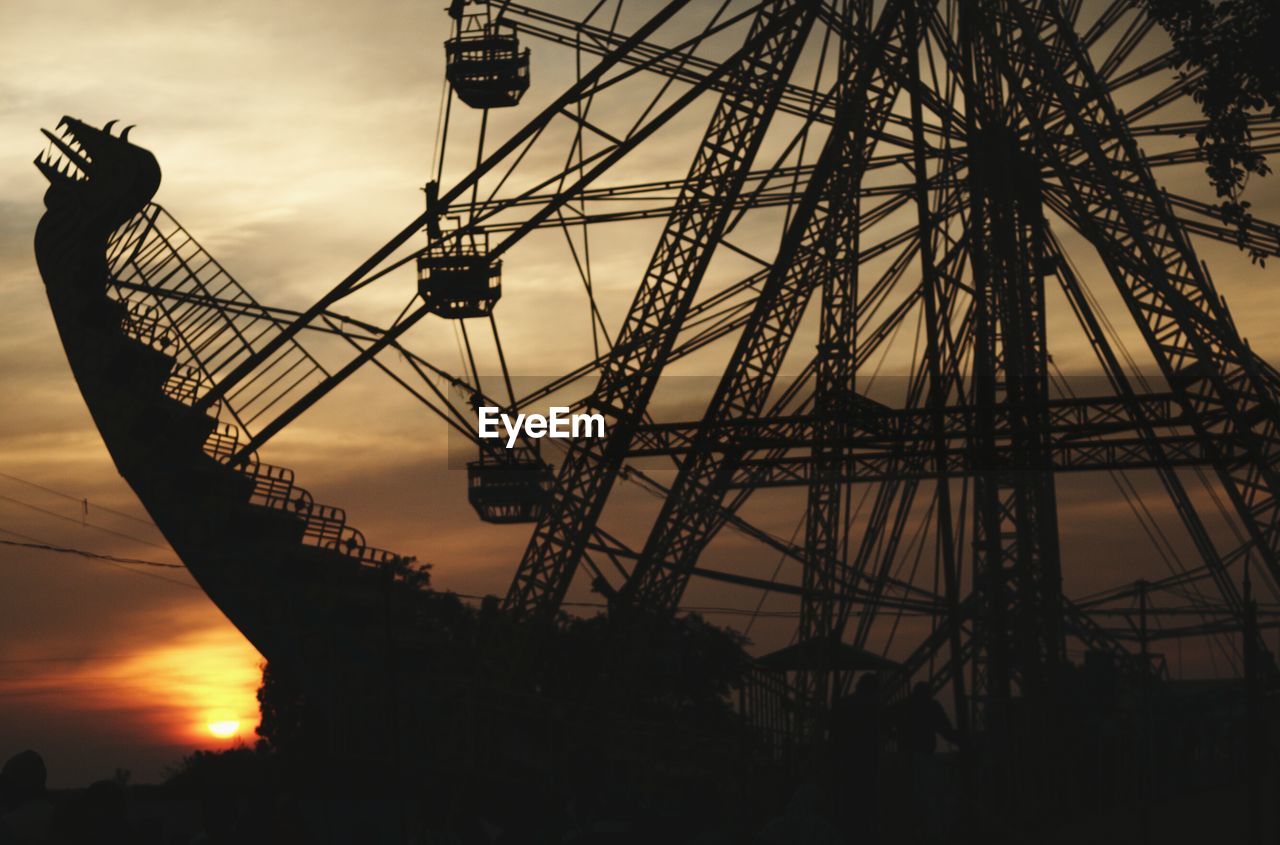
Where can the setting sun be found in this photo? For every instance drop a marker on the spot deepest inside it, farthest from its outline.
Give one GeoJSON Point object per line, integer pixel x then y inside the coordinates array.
{"type": "Point", "coordinates": [198, 684]}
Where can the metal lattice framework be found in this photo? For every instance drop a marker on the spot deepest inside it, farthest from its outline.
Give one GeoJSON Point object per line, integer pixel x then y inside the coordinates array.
{"type": "Point", "coordinates": [960, 171]}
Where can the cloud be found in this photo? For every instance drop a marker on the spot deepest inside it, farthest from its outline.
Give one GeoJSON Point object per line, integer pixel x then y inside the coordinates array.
{"type": "Point", "coordinates": [294, 138]}
{"type": "Point", "coordinates": [150, 704]}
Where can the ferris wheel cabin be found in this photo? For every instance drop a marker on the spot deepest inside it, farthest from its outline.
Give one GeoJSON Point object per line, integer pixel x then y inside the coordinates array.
{"type": "Point", "coordinates": [456, 278]}
{"type": "Point", "coordinates": [509, 488]}
{"type": "Point", "coordinates": [484, 63]}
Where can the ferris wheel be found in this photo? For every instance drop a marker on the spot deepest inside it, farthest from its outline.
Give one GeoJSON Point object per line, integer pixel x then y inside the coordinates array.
{"type": "Point", "coordinates": [871, 224]}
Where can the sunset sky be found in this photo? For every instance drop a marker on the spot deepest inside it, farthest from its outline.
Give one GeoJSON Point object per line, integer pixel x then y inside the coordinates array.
{"type": "Point", "coordinates": [294, 138]}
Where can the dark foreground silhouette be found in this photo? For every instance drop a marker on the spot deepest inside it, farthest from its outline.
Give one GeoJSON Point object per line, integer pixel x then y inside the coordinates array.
{"type": "Point", "coordinates": [881, 772]}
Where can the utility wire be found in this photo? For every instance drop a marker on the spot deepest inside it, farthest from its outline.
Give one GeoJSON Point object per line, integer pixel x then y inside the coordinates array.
{"type": "Point", "coordinates": [87, 554]}
{"type": "Point", "coordinates": [78, 500]}
{"type": "Point", "coordinates": [33, 543]}
{"type": "Point", "coordinates": [125, 564]}
{"type": "Point", "coordinates": [82, 522]}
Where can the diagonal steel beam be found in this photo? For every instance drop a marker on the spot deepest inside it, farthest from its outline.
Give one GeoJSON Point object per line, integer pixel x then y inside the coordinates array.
{"type": "Point", "coordinates": [688, 519]}
{"type": "Point", "coordinates": [684, 251]}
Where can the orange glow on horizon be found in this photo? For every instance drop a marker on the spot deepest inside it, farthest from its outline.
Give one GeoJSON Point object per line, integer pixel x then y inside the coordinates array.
{"type": "Point", "coordinates": [194, 687]}
{"type": "Point", "coordinates": [203, 684]}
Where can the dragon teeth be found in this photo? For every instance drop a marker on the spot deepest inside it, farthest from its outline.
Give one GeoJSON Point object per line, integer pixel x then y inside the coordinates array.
{"type": "Point", "coordinates": [63, 165]}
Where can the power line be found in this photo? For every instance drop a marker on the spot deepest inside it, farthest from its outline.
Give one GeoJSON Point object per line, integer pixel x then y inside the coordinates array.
{"type": "Point", "coordinates": [33, 543]}
{"type": "Point", "coordinates": [93, 555]}
{"type": "Point", "coordinates": [125, 564]}
{"type": "Point", "coordinates": [79, 500]}
{"type": "Point", "coordinates": [82, 522]}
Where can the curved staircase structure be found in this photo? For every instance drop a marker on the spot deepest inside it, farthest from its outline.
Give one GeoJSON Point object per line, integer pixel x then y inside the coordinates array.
{"type": "Point", "coordinates": [129, 290]}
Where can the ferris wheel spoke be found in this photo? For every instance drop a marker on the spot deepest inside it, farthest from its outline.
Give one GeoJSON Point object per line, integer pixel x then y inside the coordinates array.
{"type": "Point", "coordinates": [897, 77]}
{"type": "Point", "coordinates": [757, 194]}
{"type": "Point", "coordinates": [643, 126]}
{"type": "Point", "coordinates": [877, 590]}
{"type": "Point", "coordinates": [870, 272]}
{"type": "Point", "coordinates": [1215, 563]}
{"type": "Point", "coordinates": [853, 586]}
{"type": "Point", "coordinates": [875, 335]}
{"type": "Point", "coordinates": [1077, 295]}
{"type": "Point", "coordinates": [482, 213]}
{"type": "Point", "coordinates": [440, 406]}
{"type": "Point", "coordinates": [1139, 28]}
{"type": "Point", "coordinates": [894, 497]}
{"type": "Point", "coordinates": [413, 316]}
{"type": "Point", "coordinates": [603, 160]}
{"type": "Point", "coordinates": [1156, 273]}
{"type": "Point", "coordinates": [939, 360]}
{"type": "Point", "coordinates": [729, 145]}
{"type": "Point", "coordinates": [1261, 128]}
{"type": "Point", "coordinates": [682, 63]}
{"type": "Point", "coordinates": [1197, 155]}
{"type": "Point", "coordinates": [850, 590]}
{"type": "Point", "coordinates": [679, 438]}
{"type": "Point", "coordinates": [825, 541]}
{"type": "Point", "coordinates": [1166, 96]}
{"type": "Point", "coordinates": [940, 364]}
{"type": "Point", "coordinates": [727, 311]}
{"type": "Point", "coordinates": [1264, 132]}
{"type": "Point", "coordinates": [315, 394]}
{"type": "Point", "coordinates": [1260, 237]}
{"type": "Point", "coordinates": [783, 197]}
{"type": "Point", "coordinates": [683, 528]}
{"type": "Point", "coordinates": [720, 312]}
{"type": "Point", "coordinates": [1196, 217]}
{"type": "Point", "coordinates": [881, 546]}
{"type": "Point", "coordinates": [826, 489]}
{"type": "Point", "coordinates": [1163, 62]}
{"type": "Point", "coordinates": [518, 139]}
{"type": "Point", "coordinates": [1104, 23]}
{"type": "Point", "coordinates": [356, 332]}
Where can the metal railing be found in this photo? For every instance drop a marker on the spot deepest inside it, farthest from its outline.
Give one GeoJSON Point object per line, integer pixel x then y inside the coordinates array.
{"type": "Point", "coordinates": [180, 300]}
{"type": "Point", "coordinates": [176, 300]}
{"type": "Point", "coordinates": [767, 705]}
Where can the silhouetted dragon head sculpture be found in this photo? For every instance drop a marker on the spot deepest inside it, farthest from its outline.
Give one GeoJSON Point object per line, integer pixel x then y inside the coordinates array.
{"type": "Point", "coordinates": [96, 180]}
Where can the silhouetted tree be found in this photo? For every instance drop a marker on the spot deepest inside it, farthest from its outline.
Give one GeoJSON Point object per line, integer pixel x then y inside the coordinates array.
{"type": "Point", "coordinates": [281, 708]}
{"type": "Point", "coordinates": [1231, 51]}
{"type": "Point", "coordinates": [682, 665]}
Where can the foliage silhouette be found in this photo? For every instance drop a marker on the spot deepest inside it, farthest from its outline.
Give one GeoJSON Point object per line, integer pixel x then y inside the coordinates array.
{"type": "Point", "coordinates": [1228, 49]}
